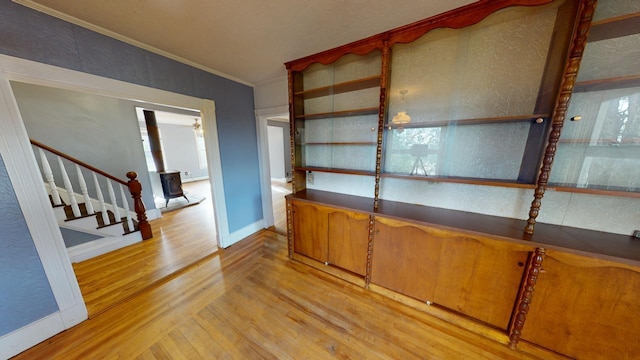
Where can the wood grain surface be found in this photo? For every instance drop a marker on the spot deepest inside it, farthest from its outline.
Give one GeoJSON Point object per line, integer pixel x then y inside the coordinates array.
{"type": "Point", "coordinates": [251, 302]}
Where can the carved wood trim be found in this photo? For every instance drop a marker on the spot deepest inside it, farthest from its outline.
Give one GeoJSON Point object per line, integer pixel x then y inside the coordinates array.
{"type": "Point", "coordinates": [360, 47]}
{"type": "Point", "coordinates": [367, 277]}
{"type": "Point", "coordinates": [456, 18]}
{"type": "Point", "coordinates": [580, 33]}
{"type": "Point", "coordinates": [298, 179]}
{"type": "Point", "coordinates": [382, 111]}
{"type": "Point", "coordinates": [289, 228]}
{"type": "Point", "coordinates": [525, 296]}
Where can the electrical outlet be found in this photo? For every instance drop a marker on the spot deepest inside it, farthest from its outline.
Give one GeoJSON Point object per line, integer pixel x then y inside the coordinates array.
{"type": "Point", "coordinates": [309, 177]}
{"type": "Point", "coordinates": [187, 173]}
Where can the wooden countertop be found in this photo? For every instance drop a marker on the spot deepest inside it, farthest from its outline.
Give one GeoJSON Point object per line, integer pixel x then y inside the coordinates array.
{"type": "Point", "coordinates": [598, 244]}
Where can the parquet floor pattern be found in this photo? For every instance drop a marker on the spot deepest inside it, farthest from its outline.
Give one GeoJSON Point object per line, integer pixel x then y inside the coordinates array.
{"type": "Point", "coordinates": [250, 301]}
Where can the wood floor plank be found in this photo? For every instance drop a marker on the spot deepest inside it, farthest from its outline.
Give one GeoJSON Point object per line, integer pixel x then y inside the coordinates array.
{"type": "Point", "coordinates": [250, 301]}
{"type": "Point", "coordinates": [234, 341]}
{"type": "Point", "coordinates": [183, 347]}
{"type": "Point", "coordinates": [181, 238]}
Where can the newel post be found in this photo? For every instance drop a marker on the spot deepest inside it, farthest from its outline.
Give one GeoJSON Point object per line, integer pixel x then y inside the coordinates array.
{"type": "Point", "coordinates": [135, 188]}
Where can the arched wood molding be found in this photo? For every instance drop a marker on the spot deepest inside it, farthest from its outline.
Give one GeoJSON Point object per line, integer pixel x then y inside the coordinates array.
{"type": "Point", "coordinates": [455, 19]}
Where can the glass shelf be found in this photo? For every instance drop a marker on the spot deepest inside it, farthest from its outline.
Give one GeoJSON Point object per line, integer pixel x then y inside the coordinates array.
{"type": "Point", "coordinates": [354, 85]}
{"type": "Point", "coordinates": [600, 153]}
{"type": "Point", "coordinates": [336, 114]}
{"type": "Point", "coordinates": [481, 151]}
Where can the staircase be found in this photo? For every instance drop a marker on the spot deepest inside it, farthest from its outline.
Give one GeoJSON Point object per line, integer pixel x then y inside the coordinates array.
{"type": "Point", "coordinates": [111, 223]}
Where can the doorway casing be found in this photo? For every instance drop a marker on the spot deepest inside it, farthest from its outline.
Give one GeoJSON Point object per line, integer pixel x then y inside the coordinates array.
{"type": "Point", "coordinates": [24, 174]}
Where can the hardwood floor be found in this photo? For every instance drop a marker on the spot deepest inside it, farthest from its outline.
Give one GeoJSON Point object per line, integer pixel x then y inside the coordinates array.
{"type": "Point", "coordinates": [251, 302]}
{"type": "Point", "coordinates": [180, 238]}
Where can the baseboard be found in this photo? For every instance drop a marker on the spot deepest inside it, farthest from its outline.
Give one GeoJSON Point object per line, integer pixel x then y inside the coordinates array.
{"type": "Point", "coordinates": [244, 232]}
{"type": "Point", "coordinates": [98, 247]}
{"type": "Point", "coordinates": [153, 214]}
{"type": "Point", "coordinates": [187, 180]}
{"type": "Point", "coordinates": [74, 315]}
{"type": "Point", "coordinates": [38, 331]}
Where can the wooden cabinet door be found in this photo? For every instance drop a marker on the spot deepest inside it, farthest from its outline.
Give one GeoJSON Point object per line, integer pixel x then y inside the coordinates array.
{"type": "Point", "coordinates": [348, 240]}
{"type": "Point", "coordinates": [402, 260]}
{"type": "Point", "coordinates": [473, 275]}
{"type": "Point", "coordinates": [310, 230]}
{"type": "Point", "coordinates": [585, 308]}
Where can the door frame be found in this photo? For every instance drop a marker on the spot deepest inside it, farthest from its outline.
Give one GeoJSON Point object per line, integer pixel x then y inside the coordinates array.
{"type": "Point", "coordinates": [262, 117]}
{"type": "Point", "coordinates": [25, 177]}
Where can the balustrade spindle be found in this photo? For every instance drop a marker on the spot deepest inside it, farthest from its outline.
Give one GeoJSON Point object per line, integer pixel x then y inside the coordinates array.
{"type": "Point", "coordinates": [114, 202]}
{"type": "Point", "coordinates": [133, 185]}
{"type": "Point", "coordinates": [67, 186]}
{"type": "Point", "coordinates": [126, 208]}
{"type": "Point", "coordinates": [103, 206]}
{"type": "Point", "coordinates": [48, 175]}
{"type": "Point", "coordinates": [85, 192]}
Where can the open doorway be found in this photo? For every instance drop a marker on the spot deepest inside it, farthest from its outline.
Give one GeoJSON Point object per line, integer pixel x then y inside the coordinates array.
{"type": "Point", "coordinates": [102, 130]}
{"type": "Point", "coordinates": [279, 169]}
{"type": "Point", "coordinates": [177, 146]}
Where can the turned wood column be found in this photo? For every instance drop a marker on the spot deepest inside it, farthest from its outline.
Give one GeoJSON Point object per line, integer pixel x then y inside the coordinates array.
{"type": "Point", "coordinates": [135, 188]}
{"type": "Point", "coordinates": [585, 14]}
{"type": "Point", "coordinates": [534, 268]}
{"type": "Point", "coordinates": [382, 111]}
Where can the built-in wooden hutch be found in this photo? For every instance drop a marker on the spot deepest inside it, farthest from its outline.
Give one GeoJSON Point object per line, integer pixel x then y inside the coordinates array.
{"type": "Point", "coordinates": [481, 95]}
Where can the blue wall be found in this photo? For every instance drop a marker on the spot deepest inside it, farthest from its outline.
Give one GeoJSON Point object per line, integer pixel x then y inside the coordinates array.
{"type": "Point", "coordinates": [31, 35]}
{"type": "Point", "coordinates": [25, 294]}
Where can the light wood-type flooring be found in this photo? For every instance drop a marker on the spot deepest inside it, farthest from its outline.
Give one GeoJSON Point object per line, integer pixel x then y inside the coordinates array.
{"type": "Point", "coordinates": [180, 238]}
{"type": "Point", "coordinates": [250, 301]}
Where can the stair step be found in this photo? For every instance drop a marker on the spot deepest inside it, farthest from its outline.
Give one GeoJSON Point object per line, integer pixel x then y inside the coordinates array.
{"type": "Point", "coordinates": [62, 204]}
{"type": "Point", "coordinates": [68, 210]}
{"type": "Point", "coordinates": [107, 225]}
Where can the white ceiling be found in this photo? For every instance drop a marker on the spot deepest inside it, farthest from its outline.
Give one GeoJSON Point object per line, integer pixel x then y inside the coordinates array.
{"type": "Point", "coordinates": [246, 40]}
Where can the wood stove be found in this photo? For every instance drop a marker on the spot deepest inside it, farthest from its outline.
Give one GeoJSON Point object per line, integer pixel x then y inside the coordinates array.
{"type": "Point", "coordinates": [171, 185]}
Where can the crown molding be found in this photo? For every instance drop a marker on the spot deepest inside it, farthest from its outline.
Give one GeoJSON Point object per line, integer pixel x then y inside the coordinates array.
{"type": "Point", "coordinates": [73, 20]}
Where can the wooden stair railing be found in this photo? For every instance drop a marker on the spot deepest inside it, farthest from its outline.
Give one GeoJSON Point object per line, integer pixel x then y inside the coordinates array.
{"type": "Point", "coordinates": [105, 217]}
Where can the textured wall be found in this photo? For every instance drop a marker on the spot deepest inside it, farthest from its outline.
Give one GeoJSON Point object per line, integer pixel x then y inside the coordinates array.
{"type": "Point", "coordinates": [35, 36]}
{"type": "Point", "coordinates": [25, 294]}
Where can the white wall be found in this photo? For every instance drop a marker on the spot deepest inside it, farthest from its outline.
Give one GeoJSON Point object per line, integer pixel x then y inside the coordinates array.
{"type": "Point", "coordinates": [276, 152]}
{"type": "Point", "coordinates": [180, 152]}
{"type": "Point", "coordinates": [271, 93]}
